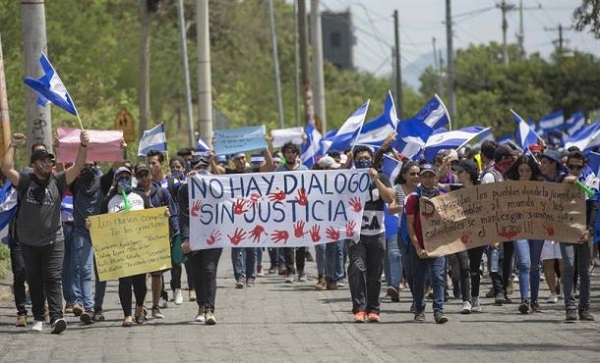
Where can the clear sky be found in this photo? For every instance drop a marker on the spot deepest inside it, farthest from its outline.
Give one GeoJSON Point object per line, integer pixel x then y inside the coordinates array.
{"type": "Point", "coordinates": [475, 22]}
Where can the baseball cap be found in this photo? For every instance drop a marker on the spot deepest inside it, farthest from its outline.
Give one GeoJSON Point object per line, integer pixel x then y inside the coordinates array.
{"type": "Point", "coordinates": [141, 168]}
{"type": "Point", "coordinates": [122, 170]}
{"type": "Point", "coordinates": [552, 155]}
{"type": "Point", "coordinates": [328, 162]}
{"type": "Point", "coordinates": [466, 165]}
{"type": "Point", "coordinates": [221, 159]}
{"type": "Point", "coordinates": [501, 152]}
{"type": "Point", "coordinates": [428, 168]}
{"type": "Point", "coordinates": [198, 160]}
{"type": "Point", "coordinates": [39, 155]}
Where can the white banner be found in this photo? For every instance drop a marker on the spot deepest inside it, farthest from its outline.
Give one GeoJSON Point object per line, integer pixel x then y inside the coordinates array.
{"type": "Point", "coordinates": [281, 136]}
{"type": "Point", "coordinates": [284, 209]}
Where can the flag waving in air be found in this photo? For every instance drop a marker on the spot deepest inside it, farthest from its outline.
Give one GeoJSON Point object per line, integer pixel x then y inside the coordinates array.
{"type": "Point", "coordinates": [525, 134]}
{"type": "Point", "coordinates": [153, 139]}
{"type": "Point", "coordinates": [348, 133]}
{"type": "Point", "coordinates": [50, 88]}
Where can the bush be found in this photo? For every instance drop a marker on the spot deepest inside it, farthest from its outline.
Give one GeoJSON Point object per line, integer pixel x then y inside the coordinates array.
{"type": "Point", "coordinates": [4, 260]}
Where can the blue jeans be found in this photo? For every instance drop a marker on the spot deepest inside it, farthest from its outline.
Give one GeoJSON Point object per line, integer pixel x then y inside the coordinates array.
{"type": "Point", "coordinates": [581, 252]}
{"type": "Point", "coordinates": [69, 267]}
{"type": "Point", "coordinates": [334, 254]}
{"type": "Point", "coordinates": [436, 266]}
{"type": "Point", "coordinates": [364, 272]}
{"type": "Point", "coordinates": [99, 290]}
{"type": "Point", "coordinates": [392, 266]}
{"type": "Point", "coordinates": [528, 253]}
{"type": "Point", "coordinates": [82, 257]}
{"type": "Point", "coordinates": [244, 262]}
{"type": "Point", "coordinates": [321, 259]}
{"type": "Point", "coordinates": [406, 261]}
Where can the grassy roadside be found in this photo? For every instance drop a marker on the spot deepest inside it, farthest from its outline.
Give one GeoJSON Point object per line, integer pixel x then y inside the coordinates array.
{"type": "Point", "coordinates": [4, 260]}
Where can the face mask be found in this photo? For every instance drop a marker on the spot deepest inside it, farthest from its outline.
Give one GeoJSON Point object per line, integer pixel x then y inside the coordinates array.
{"type": "Point", "coordinates": [202, 171]}
{"type": "Point", "coordinates": [88, 173]}
{"type": "Point", "coordinates": [177, 174]}
{"type": "Point", "coordinates": [363, 164]}
{"type": "Point", "coordinates": [125, 185]}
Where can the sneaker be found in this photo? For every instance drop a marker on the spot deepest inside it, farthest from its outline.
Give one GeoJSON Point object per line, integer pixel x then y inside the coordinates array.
{"type": "Point", "coordinates": [524, 307]}
{"type": "Point", "coordinates": [585, 315]}
{"type": "Point", "coordinates": [200, 316]}
{"type": "Point", "coordinates": [21, 320]}
{"type": "Point", "coordinates": [259, 271]}
{"type": "Point", "coordinates": [331, 285]}
{"type": "Point", "coordinates": [535, 307]}
{"type": "Point", "coordinates": [86, 317]}
{"type": "Point", "coordinates": [98, 315]}
{"type": "Point", "coordinates": [571, 316]}
{"type": "Point", "coordinates": [58, 326]}
{"type": "Point", "coordinates": [272, 270]}
{"type": "Point", "coordinates": [373, 318]}
{"type": "Point", "coordinates": [475, 305]}
{"type": "Point", "coordinates": [490, 293]}
{"type": "Point", "coordinates": [302, 277]}
{"type": "Point", "coordinates": [192, 295]}
{"type": "Point", "coordinates": [440, 318]}
{"type": "Point", "coordinates": [156, 313]}
{"type": "Point", "coordinates": [140, 314]}
{"type": "Point", "coordinates": [178, 300]}
{"type": "Point", "coordinates": [466, 308]}
{"type": "Point", "coordinates": [37, 326]}
{"type": "Point", "coordinates": [340, 284]}
{"type": "Point", "coordinates": [282, 271]}
{"type": "Point", "coordinates": [419, 317]}
{"type": "Point", "coordinates": [553, 299]}
{"type": "Point", "coordinates": [499, 300]}
{"type": "Point", "coordinates": [510, 287]}
{"type": "Point", "coordinates": [209, 315]}
{"type": "Point", "coordinates": [164, 303]}
{"type": "Point", "coordinates": [360, 316]}
{"type": "Point", "coordinates": [77, 310]}
{"type": "Point", "coordinates": [250, 282]}
{"type": "Point", "coordinates": [393, 293]}
{"type": "Point", "coordinates": [289, 279]}
{"type": "Point", "coordinates": [69, 309]}
{"type": "Point", "coordinates": [321, 283]}
{"type": "Point", "coordinates": [239, 284]}
{"type": "Point", "coordinates": [127, 322]}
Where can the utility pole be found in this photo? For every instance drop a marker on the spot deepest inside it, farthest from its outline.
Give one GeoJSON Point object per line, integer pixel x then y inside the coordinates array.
{"type": "Point", "coordinates": [186, 72]}
{"type": "Point", "coordinates": [319, 79]}
{"type": "Point", "coordinates": [276, 64]}
{"type": "Point", "coordinates": [205, 116]}
{"type": "Point", "coordinates": [296, 67]}
{"type": "Point", "coordinates": [309, 113]}
{"type": "Point", "coordinates": [438, 68]}
{"type": "Point", "coordinates": [450, 71]}
{"type": "Point", "coordinates": [560, 41]}
{"type": "Point", "coordinates": [33, 20]}
{"type": "Point", "coordinates": [505, 8]}
{"type": "Point", "coordinates": [144, 91]}
{"type": "Point", "coordinates": [399, 108]}
{"type": "Point", "coordinates": [521, 34]}
{"type": "Point", "coordinates": [4, 115]}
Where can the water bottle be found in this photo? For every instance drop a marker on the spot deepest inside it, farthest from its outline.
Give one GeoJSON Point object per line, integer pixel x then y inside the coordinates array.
{"type": "Point", "coordinates": [494, 259]}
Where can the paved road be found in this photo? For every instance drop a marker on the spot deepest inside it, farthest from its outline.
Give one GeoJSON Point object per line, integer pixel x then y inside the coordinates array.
{"type": "Point", "coordinates": [277, 322]}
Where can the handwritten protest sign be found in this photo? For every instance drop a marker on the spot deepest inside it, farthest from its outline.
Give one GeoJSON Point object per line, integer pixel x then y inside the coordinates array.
{"type": "Point", "coordinates": [130, 243]}
{"type": "Point", "coordinates": [498, 212]}
{"type": "Point", "coordinates": [276, 209]}
{"type": "Point", "coordinates": [281, 136]}
{"type": "Point", "coordinates": [240, 140]}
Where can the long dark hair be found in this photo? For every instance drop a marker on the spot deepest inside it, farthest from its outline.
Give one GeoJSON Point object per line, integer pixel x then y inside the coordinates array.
{"type": "Point", "coordinates": [407, 165]}
{"type": "Point", "coordinates": [513, 172]}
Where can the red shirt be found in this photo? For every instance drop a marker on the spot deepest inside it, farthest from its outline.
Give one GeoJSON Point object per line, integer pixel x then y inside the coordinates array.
{"type": "Point", "coordinates": [412, 209]}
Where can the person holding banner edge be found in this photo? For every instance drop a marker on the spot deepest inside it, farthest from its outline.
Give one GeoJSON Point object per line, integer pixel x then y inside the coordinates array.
{"type": "Point", "coordinates": [366, 256]}
{"type": "Point", "coordinates": [43, 246]}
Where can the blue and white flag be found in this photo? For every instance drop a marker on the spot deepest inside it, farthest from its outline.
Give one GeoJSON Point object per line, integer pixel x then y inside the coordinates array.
{"type": "Point", "coordinates": [8, 208]}
{"type": "Point", "coordinates": [434, 114]}
{"type": "Point", "coordinates": [585, 139]}
{"type": "Point", "coordinates": [525, 134]}
{"type": "Point", "coordinates": [50, 88]}
{"type": "Point", "coordinates": [553, 120]}
{"type": "Point", "coordinates": [452, 140]}
{"type": "Point", "coordinates": [153, 139]}
{"type": "Point", "coordinates": [504, 138]}
{"type": "Point", "coordinates": [556, 138]}
{"type": "Point", "coordinates": [375, 131]}
{"type": "Point", "coordinates": [202, 146]}
{"type": "Point", "coordinates": [311, 148]}
{"type": "Point", "coordinates": [575, 123]}
{"type": "Point", "coordinates": [594, 162]}
{"type": "Point", "coordinates": [391, 167]}
{"type": "Point", "coordinates": [412, 135]}
{"type": "Point", "coordinates": [347, 134]}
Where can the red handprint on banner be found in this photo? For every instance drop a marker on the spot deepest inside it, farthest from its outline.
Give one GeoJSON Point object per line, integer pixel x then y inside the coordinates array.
{"type": "Point", "coordinates": [238, 207]}
{"type": "Point", "coordinates": [237, 237]}
{"type": "Point", "coordinates": [301, 197]}
{"type": "Point", "coordinates": [277, 196]}
{"type": "Point", "coordinates": [299, 229]}
{"type": "Point", "coordinates": [256, 233]}
{"type": "Point", "coordinates": [254, 198]}
{"type": "Point", "coordinates": [332, 233]}
{"type": "Point", "coordinates": [350, 228]}
{"type": "Point", "coordinates": [214, 237]}
{"type": "Point", "coordinates": [315, 233]}
{"type": "Point", "coordinates": [195, 208]}
{"type": "Point", "coordinates": [464, 237]}
{"type": "Point", "coordinates": [278, 236]}
{"type": "Point", "coordinates": [549, 229]}
{"type": "Point", "coordinates": [356, 204]}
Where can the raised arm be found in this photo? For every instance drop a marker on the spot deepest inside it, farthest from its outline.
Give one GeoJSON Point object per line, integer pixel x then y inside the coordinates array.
{"type": "Point", "coordinates": [8, 163]}
{"type": "Point", "coordinates": [74, 170]}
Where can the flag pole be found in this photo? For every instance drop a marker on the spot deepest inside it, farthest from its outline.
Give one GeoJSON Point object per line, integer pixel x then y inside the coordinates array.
{"type": "Point", "coordinates": [80, 123]}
